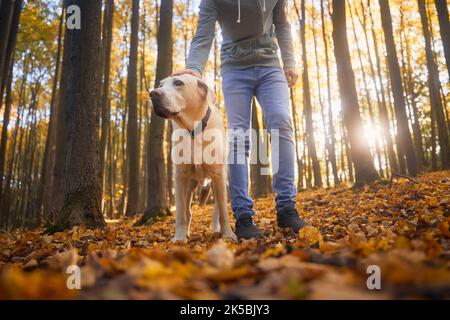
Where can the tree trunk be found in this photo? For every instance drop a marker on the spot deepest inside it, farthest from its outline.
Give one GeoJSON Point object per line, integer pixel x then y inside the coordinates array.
{"type": "Point", "coordinates": [82, 185]}
{"type": "Point", "coordinates": [260, 184]}
{"type": "Point", "coordinates": [444, 24]}
{"type": "Point", "coordinates": [321, 104]}
{"type": "Point", "coordinates": [403, 134]}
{"type": "Point", "coordinates": [105, 110]}
{"type": "Point", "coordinates": [309, 125]}
{"type": "Point", "coordinates": [57, 192]}
{"type": "Point", "coordinates": [4, 139]}
{"type": "Point", "coordinates": [367, 92]}
{"type": "Point", "coordinates": [433, 86]}
{"type": "Point", "coordinates": [6, 15]}
{"type": "Point", "coordinates": [360, 153]}
{"type": "Point", "coordinates": [156, 194]}
{"type": "Point", "coordinates": [44, 190]}
{"type": "Point", "coordinates": [297, 142]}
{"type": "Point", "coordinates": [132, 128]}
{"type": "Point", "coordinates": [332, 134]}
{"type": "Point", "coordinates": [6, 76]}
{"type": "Point", "coordinates": [382, 106]}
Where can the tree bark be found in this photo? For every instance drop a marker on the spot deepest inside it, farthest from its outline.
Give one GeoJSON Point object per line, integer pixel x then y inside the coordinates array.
{"type": "Point", "coordinates": [433, 86]}
{"type": "Point", "coordinates": [309, 124]}
{"type": "Point", "coordinates": [382, 105]}
{"type": "Point", "coordinates": [331, 129]}
{"type": "Point", "coordinates": [132, 128]}
{"type": "Point", "coordinates": [260, 184]}
{"type": "Point", "coordinates": [105, 110]}
{"type": "Point", "coordinates": [403, 134]}
{"type": "Point", "coordinates": [156, 194]}
{"type": "Point", "coordinates": [360, 153]}
{"type": "Point", "coordinates": [6, 77]}
{"type": "Point", "coordinates": [48, 162]}
{"type": "Point", "coordinates": [57, 192]}
{"type": "Point", "coordinates": [367, 92]}
{"type": "Point", "coordinates": [6, 15]}
{"type": "Point", "coordinates": [444, 24]}
{"type": "Point", "coordinates": [82, 184]}
{"type": "Point", "coordinates": [4, 141]}
{"type": "Point", "coordinates": [297, 142]}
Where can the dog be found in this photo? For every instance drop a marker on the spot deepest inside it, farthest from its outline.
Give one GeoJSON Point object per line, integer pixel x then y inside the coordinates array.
{"type": "Point", "coordinates": [191, 106]}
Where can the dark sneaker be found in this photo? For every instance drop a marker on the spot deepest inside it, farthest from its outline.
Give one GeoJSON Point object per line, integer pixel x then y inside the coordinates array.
{"type": "Point", "coordinates": [287, 217]}
{"type": "Point", "coordinates": [245, 228]}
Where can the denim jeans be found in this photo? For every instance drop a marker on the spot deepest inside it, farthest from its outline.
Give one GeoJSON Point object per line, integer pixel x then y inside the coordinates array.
{"type": "Point", "coordinates": [269, 86]}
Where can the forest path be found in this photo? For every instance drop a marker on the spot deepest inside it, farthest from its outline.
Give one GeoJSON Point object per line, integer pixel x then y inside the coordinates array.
{"type": "Point", "coordinates": [403, 229]}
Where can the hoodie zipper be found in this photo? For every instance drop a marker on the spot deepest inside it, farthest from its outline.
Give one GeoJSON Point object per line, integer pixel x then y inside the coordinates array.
{"type": "Point", "coordinates": [261, 15]}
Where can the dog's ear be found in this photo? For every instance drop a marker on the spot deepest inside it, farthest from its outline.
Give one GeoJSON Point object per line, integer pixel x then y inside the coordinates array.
{"type": "Point", "coordinates": [207, 93]}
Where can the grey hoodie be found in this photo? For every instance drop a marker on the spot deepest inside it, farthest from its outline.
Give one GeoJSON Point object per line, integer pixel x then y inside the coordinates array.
{"type": "Point", "coordinates": [252, 30]}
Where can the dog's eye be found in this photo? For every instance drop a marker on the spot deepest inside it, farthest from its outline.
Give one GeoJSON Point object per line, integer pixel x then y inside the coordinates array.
{"type": "Point", "coordinates": [178, 83]}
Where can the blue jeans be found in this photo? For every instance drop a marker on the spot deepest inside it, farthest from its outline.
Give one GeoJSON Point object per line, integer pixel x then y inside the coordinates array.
{"type": "Point", "coordinates": [269, 86]}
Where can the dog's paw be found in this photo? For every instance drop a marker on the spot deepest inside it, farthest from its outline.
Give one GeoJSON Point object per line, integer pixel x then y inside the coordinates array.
{"type": "Point", "coordinates": [180, 239]}
{"type": "Point", "coordinates": [215, 228]}
{"type": "Point", "coordinates": [230, 236]}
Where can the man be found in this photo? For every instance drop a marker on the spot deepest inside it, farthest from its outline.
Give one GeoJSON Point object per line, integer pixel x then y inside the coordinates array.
{"type": "Point", "coordinates": [252, 30]}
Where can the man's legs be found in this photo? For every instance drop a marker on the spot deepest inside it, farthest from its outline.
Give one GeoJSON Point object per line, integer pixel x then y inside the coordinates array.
{"type": "Point", "coordinates": [272, 93]}
{"type": "Point", "coordinates": [238, 91]}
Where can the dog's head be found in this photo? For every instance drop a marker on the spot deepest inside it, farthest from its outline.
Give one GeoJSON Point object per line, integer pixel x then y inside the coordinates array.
{"type": "Point", "coordinates": [183, 94]}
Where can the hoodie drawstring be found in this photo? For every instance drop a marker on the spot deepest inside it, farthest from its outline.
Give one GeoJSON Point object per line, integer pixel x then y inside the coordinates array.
{"type": "Point", "coordinates": [239, 10]}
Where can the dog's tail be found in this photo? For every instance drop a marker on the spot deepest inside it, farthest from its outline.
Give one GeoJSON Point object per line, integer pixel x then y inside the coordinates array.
{"type": "Point", "coordinates": [204, 193]}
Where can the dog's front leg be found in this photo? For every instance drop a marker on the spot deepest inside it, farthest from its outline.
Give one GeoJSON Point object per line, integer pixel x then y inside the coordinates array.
{"type": "Point", "coordinates": [220, 194]}
{"type": "Point", "coordinates": [181, 222]}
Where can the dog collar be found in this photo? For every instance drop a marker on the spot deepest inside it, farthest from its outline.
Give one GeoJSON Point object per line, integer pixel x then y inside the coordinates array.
{"type": "Point", "coordinates": [202, 125]}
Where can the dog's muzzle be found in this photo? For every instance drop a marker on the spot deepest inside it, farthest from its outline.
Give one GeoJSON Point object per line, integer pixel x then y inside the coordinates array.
{"type": "Point", "coordinates": [158, 105]}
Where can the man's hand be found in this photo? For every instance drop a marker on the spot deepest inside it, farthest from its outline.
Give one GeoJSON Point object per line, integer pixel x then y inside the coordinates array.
{"type": "Point", "coordinates": [187, 71]}
{"type": "Point", "coordinates": [291, 76]}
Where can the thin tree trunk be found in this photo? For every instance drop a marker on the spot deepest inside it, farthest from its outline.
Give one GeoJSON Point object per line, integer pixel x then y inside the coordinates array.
{"type": "Point", "coordinates": [403, 134]}
{"type": "Point", "coordinates": [332, 133]}
{"type": "Point", "coordinates": [132, 128]}
{"type": "Point", "coordinates": [411, 96]}
{"type": "Point", "coordinates": [297, 141]}
{"type": "Point", "coordinates": [4, 139]}
{"type": "Point", "coordinates": [433, 86]}
{"type": "Point", "coordinates": [444, 24]}
{"type": "Point", "coordinates": [61, 134]}
{"type": "Point", "coordinates": [309, 125]}
{"type": "Point", "coordinates": [6, 16]}
{"type": "Point", "coordinates": [156, 197]}
{"type": "Point", "coordinates": [260, 184]}
{"type": "Point", "coordinates": [360, 153]}
{"type": "Point", "coordinates": [382, 106]}
{"type": "Point", "coordinates": [367, 92]}
{"type": "Point", "coordinates": [105, 108]}
{"type": "Point", "coordinates": [44, 190]}
{"type": "Point", "coordinates": [321, 104]}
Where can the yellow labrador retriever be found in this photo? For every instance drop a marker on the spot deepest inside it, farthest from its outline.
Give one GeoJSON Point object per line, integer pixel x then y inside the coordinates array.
{"type": "Point", "coordinates": [199, 148]}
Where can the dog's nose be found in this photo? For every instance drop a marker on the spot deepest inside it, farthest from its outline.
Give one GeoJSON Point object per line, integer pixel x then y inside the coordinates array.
{"type": "Point", "coordinates": [155, 94]}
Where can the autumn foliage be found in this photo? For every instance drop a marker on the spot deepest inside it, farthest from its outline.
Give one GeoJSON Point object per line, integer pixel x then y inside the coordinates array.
{"type": "Point", "coordinates": [402, 226]}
